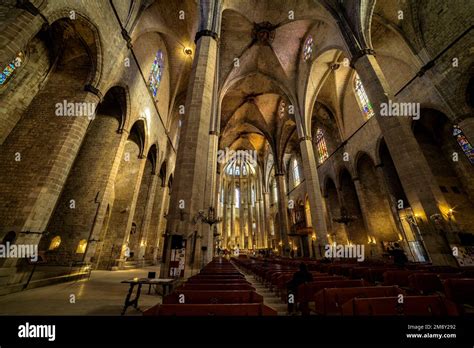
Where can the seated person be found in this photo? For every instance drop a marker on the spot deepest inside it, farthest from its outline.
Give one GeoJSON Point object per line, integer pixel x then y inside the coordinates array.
{"type": "Point", "coordinates": [300, 277]}
{"type": "Point", "coordinates": [398, 255]}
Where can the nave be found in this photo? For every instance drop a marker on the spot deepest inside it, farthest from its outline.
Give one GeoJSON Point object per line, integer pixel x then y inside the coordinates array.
{"type": "Point", "coordinates": [229, 288]}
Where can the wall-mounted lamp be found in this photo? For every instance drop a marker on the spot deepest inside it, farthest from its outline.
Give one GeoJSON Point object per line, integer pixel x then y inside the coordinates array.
{"type": "Point", "coordinates": [188, 51]}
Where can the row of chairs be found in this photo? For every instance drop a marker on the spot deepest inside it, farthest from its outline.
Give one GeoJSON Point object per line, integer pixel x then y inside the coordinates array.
{"type": "Point", "coordinates": [218, 290]}
{"type": "Point", "coordinates": [349, 288]}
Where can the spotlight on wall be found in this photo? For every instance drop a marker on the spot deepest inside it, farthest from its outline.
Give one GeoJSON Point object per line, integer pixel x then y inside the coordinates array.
{"type": "Point", "coordinates": [147, 113]}
{"type": "Point", "coordinates": [188, 51]}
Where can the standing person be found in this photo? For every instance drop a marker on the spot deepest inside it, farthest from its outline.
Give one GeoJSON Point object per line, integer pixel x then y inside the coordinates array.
{"type": "Point", "coordinates": [300, 277]}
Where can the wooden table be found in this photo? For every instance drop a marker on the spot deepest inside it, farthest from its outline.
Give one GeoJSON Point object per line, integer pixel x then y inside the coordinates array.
{"type": "Point", "coordinates": [166, 284]}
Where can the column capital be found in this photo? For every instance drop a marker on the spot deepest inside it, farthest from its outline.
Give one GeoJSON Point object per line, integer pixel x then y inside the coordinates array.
{"type": "Point", "coordinates": [214, 132]}
{"type": "Point", "coordinates": [460, 119]}
{"type": "Point", "coordinates": [362, 52]}
{"type": "Point", "coordinates": [306, 137]}
{"type": "Point", "coordinates": [206, 32]}
{"type": "Point", "coordinates": [355, 178]}
{"type": "Point", "coordinates": [94, 90]}
{"type": "Point", "coordinates": [279, 174]}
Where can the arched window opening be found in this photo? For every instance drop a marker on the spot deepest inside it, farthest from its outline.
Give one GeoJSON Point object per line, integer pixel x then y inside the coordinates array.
{"type": "Point", "coordinates": [9, 71]}
{"type": "Point", "coordinates": [308, 48]}
{"type": "Point", "coordinates": [156, 73]}
{"type": "Point", "coordinates": [55, 243]}
{"type": "Point", "coordinates": [296, 173]}
{"type": "Point", "coordinates": [237, 198]}
{"type": "Point", "coordinates": [275, 191]}
{"type": "Point", "coordinates": [465, 145]}
{"type": "Point", "coordinates": [81, 247]}
{"type": "Point", "coordinates": [321, 146]}
{"type": "Point", "coordinates": [362, 98]}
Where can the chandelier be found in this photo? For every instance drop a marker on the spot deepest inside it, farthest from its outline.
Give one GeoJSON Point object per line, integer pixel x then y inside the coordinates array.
{"type": "Point", "coordinates": [345, 218]}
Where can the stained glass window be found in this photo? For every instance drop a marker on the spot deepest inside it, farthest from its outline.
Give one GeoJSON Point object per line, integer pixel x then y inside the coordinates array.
{"type": "Point", "coordinates": [466, 146]}
{"type": "Point", "coordinates": [275, 192]}
{"type": "Point", "coordinates": [364, 102]}
{"type": "Point", "coordinates": [296, 172]}
{"type": "Point", "coordinates": [308, 48]}
{"type": "Point", "coordinates": [281, 109]}
{"type": "Point", "coordinates": [321, 145]}
{"type": "Point", "coordinates": [237, 198]}
{"type": "Point", "coordinates": [9, 70]}
{"type": "Point", "coordinates": [156, 73]}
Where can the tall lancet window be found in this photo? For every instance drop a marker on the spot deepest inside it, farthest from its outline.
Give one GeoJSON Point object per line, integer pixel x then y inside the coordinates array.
{"type": "Point", "coordinates": [237, 198]}
{"type": "Point", "coordinates": [466, 146]}
{"type": "Point", "coordinates": [308, 48]}
{"type": "Point", "coordinates": [9, 71]}
{"type": "Point", "coordinates": [156, 73]}
{"type": "Point", "coordinates": [364, 102]}
{"type": "Point", "coordinates": [253, 196]}
{"type": "Point", "coordinates": [321, 145]}
{"type": "Point", "coordinates": [296, 173]}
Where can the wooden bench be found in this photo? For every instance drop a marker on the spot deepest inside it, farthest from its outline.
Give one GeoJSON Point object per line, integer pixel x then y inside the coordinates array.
{"type": "Point", "coordinates": [199, 310]}
{"type": "Point", "coordinates": [305, 292]}
{"type": "Point", "coordinates": [217, 286]}
{"type": "Point", "coordinates": [390, 306]}
{"type": "Point", "coordinates": [212, 296]}
{"type": "Point", "coordinates": [460, 291]}
{"type": "Point", "coordinates": [425, 283]}
{"type": "Point", "coordinates": [330, 301]}
{"type": "Point", "coordinates": [216, 281]}
{"type": "Point", "coordinates": [397, 277]}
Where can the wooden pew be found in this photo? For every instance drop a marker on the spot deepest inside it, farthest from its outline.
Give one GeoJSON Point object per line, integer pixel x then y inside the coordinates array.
{"type": "Point", "coordinates": [217, 281]}
{"type": "Point", "coordinates": [305, 292]}
{"type": "Point", "coordinates": [199, 310]}
{"type": "Point", "coordinates": [390, 306]}
{"type": "Point", "coordinates": [460, 291]}
{"type": "Point", "coordinates": [329, 301]}
{"type": "Point", "coordinates": [212, 296]}
{"type": "Point", "coordinates": [217, 286]}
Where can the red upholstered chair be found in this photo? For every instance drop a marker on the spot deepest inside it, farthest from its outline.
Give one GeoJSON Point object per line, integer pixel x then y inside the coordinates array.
{"type": "Point", "coordinates": [390, 306]}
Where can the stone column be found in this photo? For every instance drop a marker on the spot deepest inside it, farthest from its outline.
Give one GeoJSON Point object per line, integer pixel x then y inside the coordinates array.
{"type": "Point", "coordinates": [314, 190]}
{"type": "Point", "coordinates": [282, 211]}
{"type": "Point", "coordinates": [259, 212]}
{"type": "Point", "coordinates": [147, 216]}
{"type": "Point", "coordinates": [420, 186]}
{"type": "Point", "coordinates": [123, 238]}
{"type": "Point", "coordinates": [263, 225]}
{"type": "Point", "coordinates": [193, 151]}
{"type": "Point", "coordinates": [241, 216]}
{"type": "Point", "coordinates": [163, 209]}
{"type": "Point", "coordinates": [232, 212]}
{"type": "Point", "coordinates": [156, 222]}
{"type": "Point", "coordinates": [266, 215]}
{"type": "Point", "coordinates": [363, 206]}
{"type": "Point", "coordinates": [250, 214]}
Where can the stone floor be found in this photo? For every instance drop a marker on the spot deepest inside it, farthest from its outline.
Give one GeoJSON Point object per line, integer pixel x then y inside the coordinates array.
{"type": "Point", "coordinates": [269, 297]}
{"type": "Point", "coordinates": [103, 294]}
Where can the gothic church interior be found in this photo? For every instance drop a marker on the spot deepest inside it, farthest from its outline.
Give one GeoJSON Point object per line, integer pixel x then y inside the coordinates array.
{"type": "Point", "coordinates": [215, 148]}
